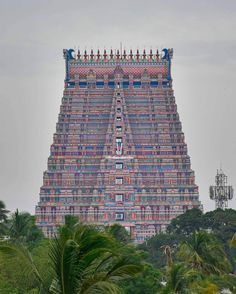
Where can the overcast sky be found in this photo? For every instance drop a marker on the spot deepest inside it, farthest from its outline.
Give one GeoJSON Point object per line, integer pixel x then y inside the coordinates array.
{"type": "Point", "coordinates": [32, 36]}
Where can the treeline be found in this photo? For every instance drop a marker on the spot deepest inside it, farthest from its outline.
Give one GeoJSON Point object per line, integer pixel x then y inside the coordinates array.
{"type": "Point", "coordinates": [196, 255]}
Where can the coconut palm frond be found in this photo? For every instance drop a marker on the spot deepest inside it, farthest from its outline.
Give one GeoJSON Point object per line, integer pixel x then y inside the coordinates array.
{"type": "Point", "coordinates": [233, 241]}
{"type": "Point", "coordinates": [19, 251]}
{"type": "Point", "coordinates": [124, 272]}
{"type": "Point", "coordinates": [101, 287]}
{"type": "Point", "coordinates": [204, 253]}
{"type": "Point", "coordinates": [64, 259]}
{"type": "Point", "coordinates": [55, 287]}
{"type": "Point", "coordinates": [178, 278]}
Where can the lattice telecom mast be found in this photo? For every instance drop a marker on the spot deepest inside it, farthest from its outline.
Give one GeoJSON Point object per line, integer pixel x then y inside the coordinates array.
{"type": "Point", "coordinates": [221, 193]}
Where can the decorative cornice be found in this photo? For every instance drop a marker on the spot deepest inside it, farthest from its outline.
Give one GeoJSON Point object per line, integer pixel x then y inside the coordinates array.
{"type": "Point", "coordinates": [77, 63]}
{"type": "Point", "coordinates": [117, 57]}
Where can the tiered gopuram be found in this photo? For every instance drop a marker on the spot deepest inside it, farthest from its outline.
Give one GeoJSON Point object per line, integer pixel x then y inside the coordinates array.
{"type": "Point", "coordinates": [118, 154]}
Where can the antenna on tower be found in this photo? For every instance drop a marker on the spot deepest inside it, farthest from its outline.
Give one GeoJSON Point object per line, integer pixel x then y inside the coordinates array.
{"type": "Point", "coordinates": [221, 193]}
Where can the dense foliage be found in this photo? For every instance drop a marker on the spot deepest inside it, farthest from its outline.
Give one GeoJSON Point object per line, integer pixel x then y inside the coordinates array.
{"type": "Point", "coordinates": [196, 255]}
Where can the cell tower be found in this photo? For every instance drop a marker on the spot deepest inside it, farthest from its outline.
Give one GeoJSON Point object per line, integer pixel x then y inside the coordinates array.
{"type": "Point", "coordinates": [221, 193]}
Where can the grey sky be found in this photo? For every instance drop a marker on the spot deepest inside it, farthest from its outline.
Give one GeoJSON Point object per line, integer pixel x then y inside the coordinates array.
{"type": "Point", "coordinates": [33, 34]}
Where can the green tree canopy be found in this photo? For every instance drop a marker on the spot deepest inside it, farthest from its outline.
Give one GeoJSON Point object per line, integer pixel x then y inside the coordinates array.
{"type": "Point", "coordinates": [82, 260]}
{"type": "Point", "coordinates": [119, 233]}
{"type": "Point", "coordinates": [187, 223]}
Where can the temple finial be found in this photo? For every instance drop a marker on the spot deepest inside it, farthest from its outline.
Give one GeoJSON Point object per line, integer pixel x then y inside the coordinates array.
{"type": "Point", "coordinates": [85, 54]}
{"type": "Point", "coordinates": [111, 54]}
{"type": "Point", "coordinates": [137, 55]}
{"type": "Point", "coordinates": [131, 54]}
{"type": "Point", "coordinates": [78, 54]}
{"type": "Point", "coordinates": [157, 54]}
{"type": "Point", "coordinates": [118, 54]}
{"type": "Point", "coordinates": [98, 54]}
{"type": "Point", "coordinates": [105, 54]}
{"type": "Point", "coordinates": [91, 54]}
{"type": "Point", "coordinates": [124, 54]}
{"type": "Point", "coordinates": [144, 54]}
{"type": "Point", "coordinates": [150, 54]}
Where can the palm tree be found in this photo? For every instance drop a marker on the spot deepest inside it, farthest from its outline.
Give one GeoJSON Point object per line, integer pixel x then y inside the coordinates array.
{"type": "Point", "coordinates": [203, 252]}
{"type": "Point", "coordinates": [168, 253]}
{"type": "Point", "coordinates": [19, 224]}
{"type": "Point", "coordinates": [179, 277]}
{"type": "Point", "coordinates": [22, 228]}
{"type": "Point", "coordinates": [3, 212]}
{"type": "Point", "coordinates": [83, 261]}
{"type": "Point", "coordinates": [3, 218]}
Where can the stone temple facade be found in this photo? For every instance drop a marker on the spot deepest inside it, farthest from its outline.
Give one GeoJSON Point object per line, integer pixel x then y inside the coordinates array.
{"type": "Point", "coordinates": [118, 153]}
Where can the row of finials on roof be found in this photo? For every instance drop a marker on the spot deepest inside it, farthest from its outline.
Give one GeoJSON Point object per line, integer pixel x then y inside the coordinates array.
{"type": "Point", "coordinates": [165, 54]}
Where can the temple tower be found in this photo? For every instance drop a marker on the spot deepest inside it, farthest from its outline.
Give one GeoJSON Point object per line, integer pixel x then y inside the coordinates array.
{"type": "Point", "coordinates": [118, 154]}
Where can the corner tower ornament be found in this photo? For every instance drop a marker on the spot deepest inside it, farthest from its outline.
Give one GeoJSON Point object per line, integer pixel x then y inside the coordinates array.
{"type": "Point", "coordinates": [119, 153]}
{"type": "Point", "coordinates": [221, 192]}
